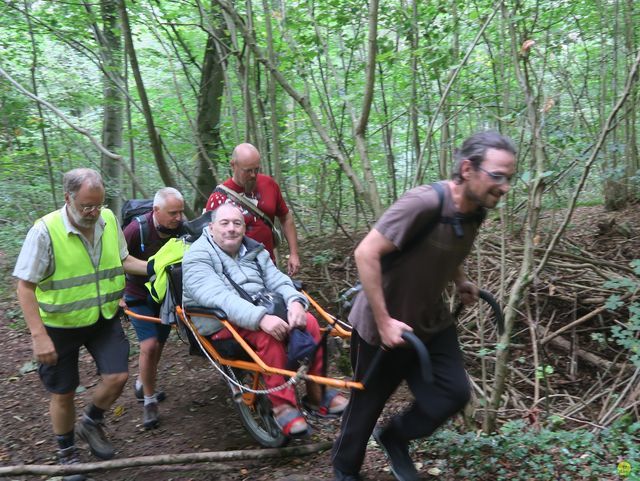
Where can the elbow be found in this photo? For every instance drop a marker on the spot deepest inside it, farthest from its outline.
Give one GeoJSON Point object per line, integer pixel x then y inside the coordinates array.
{"type": "Point", "coordinates": [361, 253]}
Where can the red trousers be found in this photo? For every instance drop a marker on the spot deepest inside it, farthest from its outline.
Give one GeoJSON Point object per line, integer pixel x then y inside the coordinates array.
{"type": "Point", "coordinates": [274, 354]}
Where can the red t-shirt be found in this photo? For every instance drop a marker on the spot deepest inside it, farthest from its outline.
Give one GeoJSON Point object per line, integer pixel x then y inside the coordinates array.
{"type": "Point", "coordinates": [270, 201]}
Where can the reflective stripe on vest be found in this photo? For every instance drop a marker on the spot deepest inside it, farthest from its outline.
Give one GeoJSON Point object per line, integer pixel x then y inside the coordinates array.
{"type": "Point", "coordinates": [77, 292]}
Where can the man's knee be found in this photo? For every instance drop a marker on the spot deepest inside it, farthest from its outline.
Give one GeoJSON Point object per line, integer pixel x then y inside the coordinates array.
{"type": "Point", "coordinates": [64, 399]}
{"type": "Point", "coordinates": [149, 346]}
{"type": "Point", "coordinates": [115, 381]}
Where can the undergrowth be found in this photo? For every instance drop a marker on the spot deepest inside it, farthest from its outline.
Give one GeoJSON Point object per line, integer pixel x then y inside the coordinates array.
{"type": "Point", "coordinates": [520, 453]}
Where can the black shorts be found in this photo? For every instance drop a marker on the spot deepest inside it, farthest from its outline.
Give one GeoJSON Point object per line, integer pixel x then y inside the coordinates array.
{"type": "Point", "coordinates": [106, 342]}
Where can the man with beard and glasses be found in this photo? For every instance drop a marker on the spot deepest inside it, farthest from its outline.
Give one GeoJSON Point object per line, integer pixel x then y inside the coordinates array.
{"type": "Point", "coordinates": [405, 263]}
{"type": "Point", "coordinates": [70, 280]}
{"type": "Point", "coordinates": [247, 187]}
{"type": "Point", "coordinates": [145, 235]}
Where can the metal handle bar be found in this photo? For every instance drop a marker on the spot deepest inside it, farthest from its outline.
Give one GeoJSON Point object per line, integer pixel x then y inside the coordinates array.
{"type": "Point", "coordinates": [495, 307]}
{"type": "Point", "coordinates": [421, 351]}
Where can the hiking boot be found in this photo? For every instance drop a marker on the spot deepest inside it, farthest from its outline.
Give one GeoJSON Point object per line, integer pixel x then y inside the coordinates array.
{"type": "Point", "coordinates": [92, 433]}
{"type": "Point", "coordinates": [160, 395]}
{"type": "Point", "coordinates": [397, 453]}
{"type": "Point", "coordinates": [150, 416]}
{"type": "Point", "coordinates": [68, 456]}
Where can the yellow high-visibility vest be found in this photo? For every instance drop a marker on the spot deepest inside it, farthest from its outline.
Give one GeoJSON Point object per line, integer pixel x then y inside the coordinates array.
{"type": "Point", "coordinates": [77, 292]}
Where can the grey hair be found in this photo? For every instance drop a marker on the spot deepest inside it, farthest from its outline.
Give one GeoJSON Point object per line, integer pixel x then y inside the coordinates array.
{"type": "Point", "coordinates": [228, 202]}
{"type": "Point", "coordinates": [73, 180]}
{"type": "Point", "coordinates": [161, 196]}
{"type": "Point", "coordinates": [475, 148]}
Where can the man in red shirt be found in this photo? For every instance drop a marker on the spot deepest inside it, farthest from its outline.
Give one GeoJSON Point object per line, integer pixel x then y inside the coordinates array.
{"type": "Point", "coordinates": [262, 191]}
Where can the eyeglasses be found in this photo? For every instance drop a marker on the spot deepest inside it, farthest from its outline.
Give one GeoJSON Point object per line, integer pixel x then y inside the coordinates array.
{"type": "Point", "coordinates": [85, 209]}
{"type": "Point", "coordinates": [255, 170]}
{"type": "Point", "coordinates": [499, 179]}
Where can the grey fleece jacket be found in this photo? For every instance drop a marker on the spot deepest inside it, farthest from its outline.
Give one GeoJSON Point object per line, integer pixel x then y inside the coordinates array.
{"type": "Point", "coordinates": [205, 285]}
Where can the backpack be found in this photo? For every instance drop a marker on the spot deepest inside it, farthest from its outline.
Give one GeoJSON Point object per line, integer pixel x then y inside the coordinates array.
{"type": "Point", "coordinates": [135, 209]}
{"type": "Point", "coordinates": [347, 299]}
{"type": "Point", "coordinates": [456, 223]}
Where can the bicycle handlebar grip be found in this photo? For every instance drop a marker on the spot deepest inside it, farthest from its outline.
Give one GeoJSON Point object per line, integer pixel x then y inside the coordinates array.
{"type": "Point", "coordinates": [423, 355]}
{"type": "Point", "coordinates": [489, 299]}
{"type": "Point", "coordinates": [495, 307]}
{"type": "Point", "coordinates": [421, 351]}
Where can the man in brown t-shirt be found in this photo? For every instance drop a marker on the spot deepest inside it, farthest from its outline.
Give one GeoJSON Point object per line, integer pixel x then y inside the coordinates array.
{"type": "Point", "coordinates": [405, 263]}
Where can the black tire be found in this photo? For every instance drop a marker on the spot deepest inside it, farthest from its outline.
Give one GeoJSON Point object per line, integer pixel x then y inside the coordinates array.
{"type": "Point", "coordinates": [258, 418]}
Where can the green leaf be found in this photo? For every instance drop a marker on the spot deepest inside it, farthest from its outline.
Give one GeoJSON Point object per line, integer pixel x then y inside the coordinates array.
{"type": "Point", "coordinates": [29, 366]}
{"type": "Point", "coordinates": [613, 302]}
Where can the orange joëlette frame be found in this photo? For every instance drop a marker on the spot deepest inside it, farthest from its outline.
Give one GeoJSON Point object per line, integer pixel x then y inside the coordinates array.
{"type": "Point", "coordinates": [258, 365]}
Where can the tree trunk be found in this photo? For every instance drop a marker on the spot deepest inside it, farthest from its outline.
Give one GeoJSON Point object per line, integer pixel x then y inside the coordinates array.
{"type": "Point", "coordinates": [525, 276]}
{"type": "Point", "coordinates": [113, 117]}
{"type": "Point", "coordinates": [154, 139]}
{"type": "Point", "coordinates": [274, 153]}
{"type": "Point", "coordinates": [34, 87]}
{"type": "Point", "coordinates": [209, 108]}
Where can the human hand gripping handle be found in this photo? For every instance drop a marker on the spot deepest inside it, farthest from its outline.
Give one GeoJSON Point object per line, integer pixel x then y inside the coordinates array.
{"type": "Point", "coordinates": [421, 351]}
{"type": "Point", "coordinates": [391, 331]}
{"type": "Point", "coordinates": [467, 291]}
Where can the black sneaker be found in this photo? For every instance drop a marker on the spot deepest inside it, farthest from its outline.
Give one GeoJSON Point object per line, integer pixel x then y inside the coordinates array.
{"type": "Point", "coordinates": [160, 395]}
{"type": "Point", "coordinates": [150, 416]}
{"type": "Point", "coordinates": [92, 433]}
{"type": "Point", "coordinates": [397, 453]}
{"type": "Point", "coordinates": [66, 457]}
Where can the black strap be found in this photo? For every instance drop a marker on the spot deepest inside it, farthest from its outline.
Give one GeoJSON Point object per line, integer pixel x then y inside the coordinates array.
{"type": "Point", "coordinates": [389, 258]}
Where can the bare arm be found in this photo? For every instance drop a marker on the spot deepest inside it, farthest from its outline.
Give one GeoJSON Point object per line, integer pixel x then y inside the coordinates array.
{"type": "Point", "coordinates": [43, 348]}
{"type": "Point", "coordinates": [133, 265]}
{"type": "Point", "coordinates": [290, 233]}
{"type": "Point", "coordinates": [368, 255]}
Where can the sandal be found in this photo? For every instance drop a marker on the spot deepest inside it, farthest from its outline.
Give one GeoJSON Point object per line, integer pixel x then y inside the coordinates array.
{"type": "Point", "coordinates": [291, 422]}
{"type": "Point", "coordinates": [333, 404]}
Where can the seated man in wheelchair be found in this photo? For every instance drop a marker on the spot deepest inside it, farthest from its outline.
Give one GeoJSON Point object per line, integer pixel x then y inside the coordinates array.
{"type": "Point", "coordinates": [223, 269]}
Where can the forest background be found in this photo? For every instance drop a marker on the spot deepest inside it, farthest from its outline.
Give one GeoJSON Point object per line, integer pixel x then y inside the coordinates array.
{"type": "Point", "coordinates": [351, 104]}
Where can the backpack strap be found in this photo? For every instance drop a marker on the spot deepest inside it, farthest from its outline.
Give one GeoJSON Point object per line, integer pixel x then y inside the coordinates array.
{"type": "Point", "coordinates": [428, 227]}
{"type": "Point", "coordinates": [143, 225]}
{"type": "Point", "coordinates": [389, 258]}
{"type": "Point", "coordinates": [458, 220]}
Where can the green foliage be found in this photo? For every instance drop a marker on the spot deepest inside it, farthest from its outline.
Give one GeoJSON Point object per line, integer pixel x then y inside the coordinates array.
{"type": "Point", "coordinates": [627, 333]}
{"type": "Point", "coordinates": [521, 453]}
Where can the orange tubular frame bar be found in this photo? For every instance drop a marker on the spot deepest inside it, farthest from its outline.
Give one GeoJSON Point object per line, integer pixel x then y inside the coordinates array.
{"type": "Point", "coordinates": [258, 364]}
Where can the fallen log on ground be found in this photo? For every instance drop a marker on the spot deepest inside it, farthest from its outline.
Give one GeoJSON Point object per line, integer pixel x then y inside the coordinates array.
{"type": "Point", "coordinates": [163, 459]}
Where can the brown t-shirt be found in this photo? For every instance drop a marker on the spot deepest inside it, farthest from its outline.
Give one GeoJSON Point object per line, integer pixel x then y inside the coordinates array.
{"type": "Point", "coordinates": [415, 276]}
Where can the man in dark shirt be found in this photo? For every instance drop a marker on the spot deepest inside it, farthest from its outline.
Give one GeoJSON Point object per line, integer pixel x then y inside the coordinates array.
{"type": "Point", "coordinates": [404, 269]}
{"type": "Point", "coordinates": [145, 235]}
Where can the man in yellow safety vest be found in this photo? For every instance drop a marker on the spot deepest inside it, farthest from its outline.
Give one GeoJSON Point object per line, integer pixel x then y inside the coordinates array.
{"type": "Point", "coordinates": [70, 279]}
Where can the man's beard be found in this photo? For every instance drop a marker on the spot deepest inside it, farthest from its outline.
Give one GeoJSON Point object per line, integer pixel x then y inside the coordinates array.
{"type": "Point", "coordinates": [78, 220]}
{"type": "Point", "coordinates": [249, 186]}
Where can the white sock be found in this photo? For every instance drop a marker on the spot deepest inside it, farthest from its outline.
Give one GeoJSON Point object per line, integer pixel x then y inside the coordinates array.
{"type": "Point", "coordinates": [138, 383]}
{"type": "Point", "coordinates": [150, 399]}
